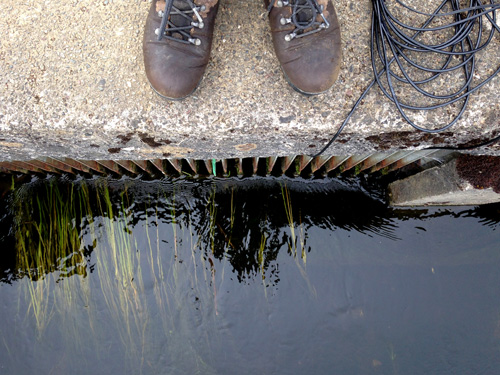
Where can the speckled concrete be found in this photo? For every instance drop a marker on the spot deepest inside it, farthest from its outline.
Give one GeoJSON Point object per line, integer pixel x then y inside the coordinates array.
{"type": "Point", "coordinates": [72, 85]}
{"type": "Point", "coordinates": [440, 186]}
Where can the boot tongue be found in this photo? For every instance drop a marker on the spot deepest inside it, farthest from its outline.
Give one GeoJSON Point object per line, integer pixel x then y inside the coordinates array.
{"type": "Point", "coordinates": [304, 15]}
{"type": "Point", "coordinates": [177, 19]}
{"type": "Point", "coordinates": [182, 4]}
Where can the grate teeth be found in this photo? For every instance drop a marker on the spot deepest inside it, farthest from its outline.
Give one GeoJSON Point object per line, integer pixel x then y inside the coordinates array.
{"type": "Point", "coordinates": [8, 167]}
{"type": "Point", "coordinates": [286, 163]}
{"type": "Point", "coordinates": [177, 164]}
{"type": "Point", "coordinates": [410, 158]}
{"type": "Point", "coordinates": [390, 160]}
{"type": "Point", "coordinates": [271, 161]}
{"type": "Point", "coordinates": [26, 166]}
{"type": "Point", "coordinates": [128, 165]}
{"type": "Point", "coordinates": [144, 167]}
{"type": "Point", "coordinates": [239, 167]}
{"type": "Point", "coordinates": [224, 166]}
{"type": "Point", "coordinates": [76, 165]}
{"type": "Point", "coordinates": [354, 161]}
{"type": "Point", "coordinates": [255, 165]}
{"type": "Point", "coordinates": [111, 166]}
{"type": "Point", "coordinates": [291, 165]}
{"type": "Point", "coordinates": [158, 164]}
{"type": "Point", "coordinates": [373, 160]}
{"type": "Point", "coordinates": [318, 162]}
{"type": "Point", "coordinates": [304, 161]}
{"type": "Point", "coordinates": [209, 166]}
{"type": "Point", "coordinates": [335, 162]}
{"type": "Point", "coordinates": [57, 165]}
{"type": "Point", "coordinates": [193, 165]}
{"type": "Point", "coordinates": [94, 166]}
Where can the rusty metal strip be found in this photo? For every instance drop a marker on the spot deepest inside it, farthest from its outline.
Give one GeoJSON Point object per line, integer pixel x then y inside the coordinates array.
{"type": "Point", "coordinates": [93, 165]}
{"type": "Point", "coordinates": [271, 161]}
{"type": "Point", "coordinates": [304, 161]}
{"type": "Point", "coordinates": [58, 165]}
{"type": "Point", "coordinates": [76, 165]}
{"type": "Point", "coordinates": [410, 158]}
{"type": "Point", "coordinates": [25, 165]}
{"type": "Point", "coordinates": [224, 166]}
{"type": "Point", "coordinates": [318, 162]}
{"type": "Point", "coordinates": [239, 167]}
{"type": "Point", "coordinates": [111, 165]}
{"type": "Point", "coordinates": [158, 163]}
{"type": "Point", "coordinates": [374, 159]}
{"type": "Point", "coordinates": [8, 167]}
{"type": "Point", "coordinates": [143, 166]}
{"type": "Point", "coordinates": [208, 165]}
{"type": "Point", "coordinates": [287, 162]}
{"type": "Point", "coordinates": [193, 164]}
{"type": "Point", "coordinates": [255, 164]}
{"type": "Point", "coordinates": [177, 164]}
{"type": "Point", "coordinates": [127, 165]}
{"type": "Point", "coordinates": [43, 166]}
{"type": "Point", "coordinates": [354, 161]}
{"type": "Point", "coordinates": [390, 160]}
{"type": "Point", "coordinates": [372, 162]}
{"type": "Point", "coordinates": [335, 162]}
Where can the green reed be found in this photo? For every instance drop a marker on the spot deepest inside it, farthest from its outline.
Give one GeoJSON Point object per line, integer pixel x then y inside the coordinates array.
{"type": "Point", "coordinates": [301, 238]}
{"type": "Point", "coordinates": [48, 248]}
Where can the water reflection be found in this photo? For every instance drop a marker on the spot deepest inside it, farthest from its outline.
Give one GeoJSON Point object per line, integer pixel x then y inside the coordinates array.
{"type": "Point", "coordinates": [246, 223]}
{"type": "Point", "coordinates": [255, 276]}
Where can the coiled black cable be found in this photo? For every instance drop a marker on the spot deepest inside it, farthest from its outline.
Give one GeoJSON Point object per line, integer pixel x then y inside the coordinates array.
{"type": "Point", "coordinates": [396, 48]}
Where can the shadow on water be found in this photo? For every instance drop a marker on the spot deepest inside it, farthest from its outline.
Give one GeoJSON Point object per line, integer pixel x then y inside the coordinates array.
{"type": "Point", "coordinates": [262, 275]}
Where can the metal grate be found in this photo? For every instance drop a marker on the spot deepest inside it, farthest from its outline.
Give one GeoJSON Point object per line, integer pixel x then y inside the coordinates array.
{"type": "Point", "coordinates": [294, 165]}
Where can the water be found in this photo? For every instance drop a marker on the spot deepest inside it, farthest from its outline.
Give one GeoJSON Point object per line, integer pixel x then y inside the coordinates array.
{"type": "Point", "coordinates": [258, 276]}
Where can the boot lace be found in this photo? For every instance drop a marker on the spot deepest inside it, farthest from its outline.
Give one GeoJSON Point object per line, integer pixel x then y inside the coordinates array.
{"type": "Point", "coordinates": [304, 17]}
{"type": "Point", "coordinates": [178, 19]}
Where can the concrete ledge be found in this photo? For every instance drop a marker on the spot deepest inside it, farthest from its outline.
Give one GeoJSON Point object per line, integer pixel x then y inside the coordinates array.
{"type": "Point", "coordinates": [458, 182]}
{"type": "Point", "coordinates": [72, 85]}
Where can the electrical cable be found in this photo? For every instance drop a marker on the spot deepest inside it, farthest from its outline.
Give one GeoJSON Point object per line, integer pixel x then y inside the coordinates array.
{"type": "Point", "coordinates": [395, 57]}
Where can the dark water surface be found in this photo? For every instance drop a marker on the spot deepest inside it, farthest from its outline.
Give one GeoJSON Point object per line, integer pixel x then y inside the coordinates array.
{"type": "Point", "coordinates": [255, 276]}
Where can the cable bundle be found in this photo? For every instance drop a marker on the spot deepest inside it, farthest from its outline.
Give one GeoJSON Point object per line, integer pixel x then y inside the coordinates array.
{"type": "Point", "coordinates": [448, 39]}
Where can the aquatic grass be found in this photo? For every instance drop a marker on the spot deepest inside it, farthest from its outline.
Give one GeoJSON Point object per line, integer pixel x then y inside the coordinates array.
{"type": "Point", "coordinates": [118, 268]}
{"type": "Point", "coordinates": [212, 219]}
{"type": "Point", "coordinates": [302, 240]}
{"type": "Point", "coordinates": [392, 357]}
{"type": "Point", "coordinates": [212, 212]}
{"type": "Point", "coordinates": [233, 212]}
{"type": "Point", "coordinates": [292, 245]}
{"type": "Point", "coordinates": [261, 260]}
{"type": "Point", "coordinates": [285, 193]}
{"type": "Point", "coordinates": [76, 228]}
{"type": "Point", "coordinates": [48, 248]}
{"type": "Point", "coordinates": [156, 261]}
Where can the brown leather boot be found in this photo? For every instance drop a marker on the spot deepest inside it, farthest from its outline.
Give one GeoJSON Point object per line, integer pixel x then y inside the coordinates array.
{"type": "Point", "coordinates": [177, 43]}
{"type": "Point", "coordinates": [306, 38]}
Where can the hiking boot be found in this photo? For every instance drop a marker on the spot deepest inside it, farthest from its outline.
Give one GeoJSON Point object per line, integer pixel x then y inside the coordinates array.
{"type": "Point", "coordinates": [306, 39]}
{"type": "Point", "coordinates": [177, 43]}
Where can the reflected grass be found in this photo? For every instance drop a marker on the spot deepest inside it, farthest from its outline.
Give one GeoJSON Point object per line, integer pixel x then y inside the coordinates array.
{"type": "Point", "coordinates": [48, 249]}
{"type": "Point", "coordinates": [158, 269]}
{"type": "Point", "coordinates": [294, 239]}
{"type": "Point", "coordinates": [119, 270]}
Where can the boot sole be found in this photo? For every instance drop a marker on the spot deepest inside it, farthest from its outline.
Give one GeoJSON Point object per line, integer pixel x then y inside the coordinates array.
{"type": "Point", "coordinates": [174, 99]}
{"type": "Point", "coordinates": [305, 93]}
